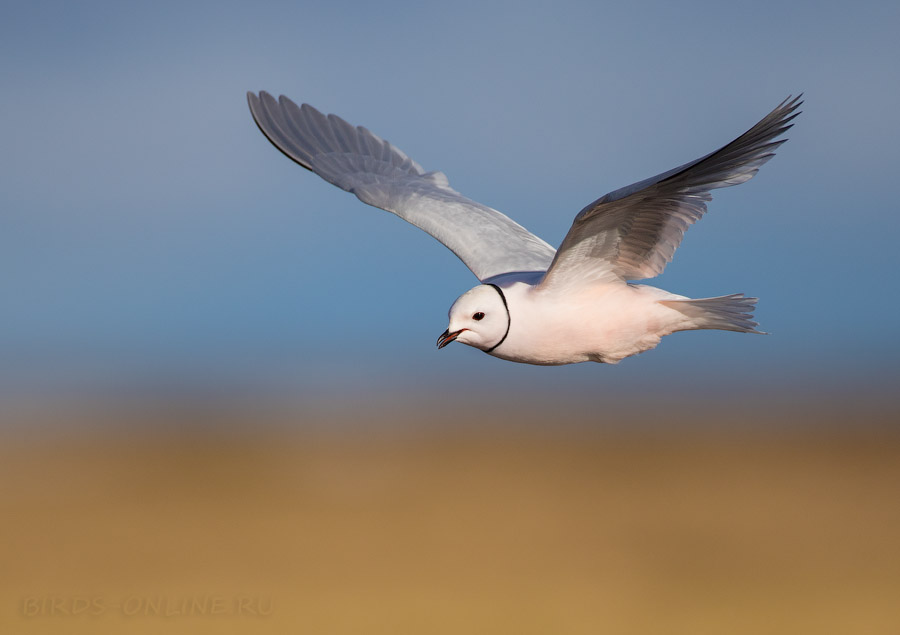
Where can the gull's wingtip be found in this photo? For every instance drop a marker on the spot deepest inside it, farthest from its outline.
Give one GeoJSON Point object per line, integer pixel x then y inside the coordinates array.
{"type": "Point", "coordinates": [253, 101]}
{"type": "Point", "coordinates": [791, 103]}
{"type": "Point", "coordinates": [285, 100]}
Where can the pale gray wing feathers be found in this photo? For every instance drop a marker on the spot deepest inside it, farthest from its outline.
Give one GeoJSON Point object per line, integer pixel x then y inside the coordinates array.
{"type": "Point", "coordinates": [352, 158]}
{"type": "Point", "coordinates": [632, 233]}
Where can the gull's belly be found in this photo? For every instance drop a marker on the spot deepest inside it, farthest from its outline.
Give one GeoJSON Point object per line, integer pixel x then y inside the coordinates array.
{"type": "Point", "coordinates": [603, 324]}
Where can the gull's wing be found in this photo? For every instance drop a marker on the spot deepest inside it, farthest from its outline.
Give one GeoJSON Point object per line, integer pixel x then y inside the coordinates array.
{"type": "Point", "coordinates": [354, 159]}
{"type": "Point", "coordinates": [632, 233]}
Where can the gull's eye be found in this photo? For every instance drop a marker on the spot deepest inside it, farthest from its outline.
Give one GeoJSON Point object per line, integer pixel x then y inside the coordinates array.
{"type": "Point", "coordinates": [478, 316]}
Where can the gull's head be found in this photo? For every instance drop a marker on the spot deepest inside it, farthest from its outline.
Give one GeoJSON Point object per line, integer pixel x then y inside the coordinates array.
{"type": "Point", "coordinates": [479, 318]}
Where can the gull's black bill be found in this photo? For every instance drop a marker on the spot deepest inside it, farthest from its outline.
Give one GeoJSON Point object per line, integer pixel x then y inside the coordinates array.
{"type": "Point", "coordinates": [447, 337]}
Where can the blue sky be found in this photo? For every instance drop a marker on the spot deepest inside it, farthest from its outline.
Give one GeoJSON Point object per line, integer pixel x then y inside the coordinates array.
{"type": "Point", "coordinates": [152, 236]}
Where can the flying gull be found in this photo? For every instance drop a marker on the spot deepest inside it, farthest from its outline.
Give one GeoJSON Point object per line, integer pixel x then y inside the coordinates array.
{"type": "Point", "coordinates": [536, 304]}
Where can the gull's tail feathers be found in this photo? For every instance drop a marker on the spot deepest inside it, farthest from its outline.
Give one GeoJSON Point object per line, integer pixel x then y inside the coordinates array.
{"type": "Point", "coordinates": [727, 313]}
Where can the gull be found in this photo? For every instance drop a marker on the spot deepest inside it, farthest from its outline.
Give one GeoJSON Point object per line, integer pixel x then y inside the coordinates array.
{"type": "Point", "coordinates": [536, 304]}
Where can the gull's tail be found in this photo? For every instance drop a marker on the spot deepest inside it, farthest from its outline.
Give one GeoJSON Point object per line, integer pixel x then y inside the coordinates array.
{"type": "Point", "coordinates": [727, 313]}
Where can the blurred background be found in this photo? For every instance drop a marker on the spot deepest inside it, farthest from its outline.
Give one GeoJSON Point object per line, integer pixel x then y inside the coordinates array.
{"type": "Point", "coordinates": [221, 407]}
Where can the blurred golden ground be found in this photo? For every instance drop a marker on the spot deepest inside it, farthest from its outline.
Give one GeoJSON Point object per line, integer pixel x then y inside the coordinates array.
{"type": "Point", "coordinates": [335, 528]}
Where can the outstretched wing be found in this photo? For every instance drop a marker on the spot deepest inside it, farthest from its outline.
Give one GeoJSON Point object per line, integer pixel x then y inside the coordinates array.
{"type": "Point", "coordinates": [354, 159]}
{"type": "Point", "coordinates": [632, 233]}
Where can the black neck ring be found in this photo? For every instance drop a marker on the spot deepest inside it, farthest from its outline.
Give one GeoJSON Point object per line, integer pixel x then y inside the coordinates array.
{"type": "Point", "coordinates": [508, 319]}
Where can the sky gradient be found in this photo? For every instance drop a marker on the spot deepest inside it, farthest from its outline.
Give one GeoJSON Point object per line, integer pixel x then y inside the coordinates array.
{"type": "Point", "coordinates": [153, 238]}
